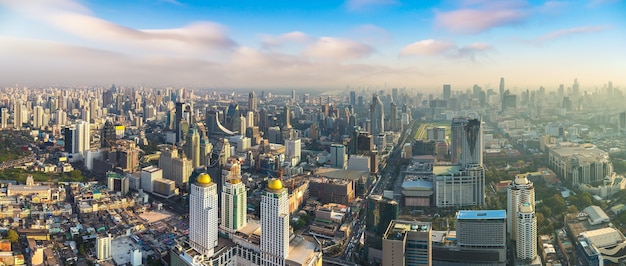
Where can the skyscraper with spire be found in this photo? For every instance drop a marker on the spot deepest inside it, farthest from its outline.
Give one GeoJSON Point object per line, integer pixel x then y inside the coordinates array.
{"type": "Point", "coordinates": [203, 215]}
{"type": "Point", "coordinates": [274, 224]}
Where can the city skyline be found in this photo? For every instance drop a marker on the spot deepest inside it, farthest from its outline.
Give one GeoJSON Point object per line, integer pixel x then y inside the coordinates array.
{"type": "Point", "coordinates": [328, 45]}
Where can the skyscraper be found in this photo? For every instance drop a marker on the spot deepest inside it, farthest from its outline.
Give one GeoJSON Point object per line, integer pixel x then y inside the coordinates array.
{"type": "Point", "coordinates": [252, 101]}
{"type": "Point", "coordinates": [472, 143]}
{"type": "Point", "coordinates": [5, 118]}
{"type": "Point", "coordinates": [526, 231]}
{"type": "Point", "coordinates": [377, 116]}
{"type": "Point", "coordinates": [521, 220]}
{"type": "Point", "coordinates": [482, 230]}
{"type": "Point", "coordinates": [234, 205]}
{"type": "Point", "coordinates": [407, 243]}
{"type": "Point", "coordinates": [338, 156]}
{"type": "Point", "coordinates": [192, 146]}
{"type": "Point", "coordinates": [38, 117]}
{"type": "Point", "coordinates": [203, 215]}
{"type": "Point", "coordinates": [17, 114]}
{"type": "Point", "coordinates": [274, 224]}
{"type": "Point", "coordinates": [520, 191]}
{"type": "Point", "coordinates": [447, 92]}
{"type": "Point", "coordinates": [83, 141]}
{"type": "Point", "coordinates": [393, 117]}
{"type": "Point", "coordinates": [353, 98]}
{"type": "Point", "coordinates": [103, 248]}
{"type": "Point", "coordinates": [457, 131]}
{"type": "Point", "coordinates": [501, 86]}
{"type": "Point", "coordinates": [70, 138]}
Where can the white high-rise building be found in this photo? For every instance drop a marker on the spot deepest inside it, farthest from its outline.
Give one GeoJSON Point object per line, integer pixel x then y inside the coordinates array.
{"type": "Point", "coordinates": [250, 119]}
{"type": "Point", "coordinates": [293, 150]}
{"type": "Point", "coordinates": [5, 118]}
{"type": "Point", "coordinates": [103, 248]}
{"type": "Point", "coordinates": [83, 129]}
{"type": "Point", "coordinates": [234, 205]}
{"type": "Point", "coordinates": [203, 215]}
{"type": "Point", "coordinates": [520, 191]}
{"type": "Point", "coordinates": [274, 224]}
{"type": "Point", "coordinates": [526, 231]}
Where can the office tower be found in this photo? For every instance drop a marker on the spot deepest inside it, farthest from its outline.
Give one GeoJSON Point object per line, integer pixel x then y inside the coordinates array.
{"type": "Point", "coordinates": [183, 113]}
{"type": "Point", "coordinates": [293, 96]}
{"type": "Point", "coordinates": [252, 101]}
{"type": "Point", "coordinates": [520, 191]}
{"type": "Point", "coordinates": [103, 248]}
{"type": "Point", "coordinates": [203, 215]}
{"type": "Point", "coordinates": [148, 176]}
{"type": "Point", "coordinates": [5, 118]}
{"type": "Point", "coordinates": [621, 124]}
{"type": "Point", "coordinates": [263, 120]}
{"type": "Point", "coordinates": [472, 143]}
{"type": "Point", "coordinates": [352, 98]}
{"type": "Point", "coordinates": [447, 92]}
{"type": "Point", "coordinates": [71, 139]}
{"type": "Point", "coordinates": [18, 108]}
{"type": "Point", "coordinates": [292, 150]}
{"type": "Point", "coordinates": [457, 131]}
{"type": "Point", "coordinates": [407, 243]}
{"type": "Point", "coordinates": [576, 88]}
{"type": "Point", "coordinates": [83, 141]}
{"type": "Point", "coordinates": [274, 224]}
{"type": "Point", "coordinates": [394, 95]}
{"type": "Point", "coordinates": [38, 117]}
{"type": "Point", "coordinates": [249, 120]}
{"type": "Point", "coordinates": [501, 86]}
{"type": "Point", "coordinates": [526, 231]}
{"type": "Point", "coordinates": [206, 148]}
{"type": "Point", "coordinates": [393, 117]}
{"type": "Point", "coordinates": [118, 183]}
{"type": "Point", "coordinates": [482, 230]}
{"type": "Point", "coordinates": [181, 169]}
{"type": "Point", "coordinates": [380, 212]}
{"type": "Point", "coordinates": [338, 156]}
{"type": "Point", "coordinates": [192, 146]}
{"type": "Point", "coordinates": [108, 135]}
{"type": "Point", "coordinates": [234, 205]}
{"type": "Point", "coordinates": [377, 116]}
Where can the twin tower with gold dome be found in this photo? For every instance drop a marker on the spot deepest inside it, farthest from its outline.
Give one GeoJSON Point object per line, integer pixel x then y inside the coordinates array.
{"type": "Point", "coordinates": [274, 184]}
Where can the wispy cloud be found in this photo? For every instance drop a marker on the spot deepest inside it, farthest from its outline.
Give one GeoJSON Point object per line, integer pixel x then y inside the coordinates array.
{"type": "Point", "coordinates": [371, 34]}
{"type": "Point", "coordinates": [553, 35]}
{"type": "Point", "coordinates": [360, 5]}
{"type": "Point", "coordinates": [338, 48]}
{"type": "Point", "coordinates": [432, 47]}
{"type": "Point", "coordinates": [602, 2]}
{"type": "Point", "coordinates": [476, 16]}
{"type": "Point", "coordinates": [428, 47]}
{"type": "Point", "coordinates": [270, 41]}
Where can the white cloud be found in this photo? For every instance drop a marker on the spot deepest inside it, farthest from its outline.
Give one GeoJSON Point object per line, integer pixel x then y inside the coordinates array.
{"type": "Point", "coordinates": [270, 41]}
{"type": "Point", "coordinates": [427, 47]}
{"type": "Point", "coordinates": [479, 16]}
{"type": "Point", "coordinates": [337, 48]}
{"type": "Point", "coordinates": [568, 32]}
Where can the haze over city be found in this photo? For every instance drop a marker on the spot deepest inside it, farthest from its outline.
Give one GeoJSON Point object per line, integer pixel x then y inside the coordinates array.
{"type": "Point", "coordinates": [312, 44]}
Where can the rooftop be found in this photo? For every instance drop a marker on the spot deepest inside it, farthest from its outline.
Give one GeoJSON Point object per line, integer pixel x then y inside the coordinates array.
{"type": "Point", "coordinates": [481, 214]}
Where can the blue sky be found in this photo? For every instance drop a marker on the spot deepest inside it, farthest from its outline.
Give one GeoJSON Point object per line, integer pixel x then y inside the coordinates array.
{"type": "Point", "coordinates": [313, 44]}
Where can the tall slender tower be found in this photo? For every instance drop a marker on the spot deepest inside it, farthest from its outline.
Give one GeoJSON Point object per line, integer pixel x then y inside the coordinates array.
{"type": "Point", "coordinates": [501, 87]}
{"type": "Point", "coordinates": [252, 101]}
{"type": "Point", "coordinates": [192, 146]}
{"type": "Point", "coordinates": [520, 191]}
{"type": "Point", "coordinates": [526, 230]}
{"type": "Point", "coordinates": [234, 205]}
{"type": "Point", "coordinates": [472, 144]}
{"type": "Point", "coordinates": [203, 215]}
{"type": "Point", "coordinates": [377, 113]}
{"type": "Point", "coordinates": [274, 224]}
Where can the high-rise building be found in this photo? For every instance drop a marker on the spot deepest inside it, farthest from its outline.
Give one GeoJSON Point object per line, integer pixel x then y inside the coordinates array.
{"type": "Point", "coordinates": [234, 205]}
{"type": "Point", "coordinates": [380, 212]}
{"type": "Point", "coordinates": [520, 191]}
{"type": "Point", "coordinates": [274, 224]}
{"type": "Point", "coordinates": [472, 143]}
{"type": "Point", "coordinates": [206, 148]}
{"type": "Point", "coordinates": [70, 137]}
{"type": "Point", "coordinates": [108, 135]}
{"type": "Point", "coordinates": [482, 230]}
{"type": "Point", "coordinates": [181, 169]}
{"type": "Point", "coordinates": [447, 92]}
{"type": "Point", "coordinates": [118, 183]}
{"type": "Point", "coordinates": [192, 146]}
{"type": "Point", "coordinates": [18, 109]}
{"type": "Point", "coordinates": [353, 98]}
{"type": "Point", "coordinates": [203, 226]}
{"type": "Point", "coordinates": [83, 142]}
{"type": "Point", "coordinates": [338, 156]}
{"type": "Point", "coordinates": [377, 116]}
{"type": "Point", "coordinates": [407, 243]}
{"type": "Point", "coordinates": [38, 117]}
{"type": "Point", "coordinates": [252, 101]}
{"type": "Point", "coordinates": [526, 231]}
{"type": "Point", "coordinates": [292, 150]}
{"type": "Point", "coordinates": [103, 248]}
{"type": "Point", "coordinates": [393, 117]}
{"type": "Point", "coordinates": [501, 87]}
{"type": "Point", "coordinates": [5, 118]}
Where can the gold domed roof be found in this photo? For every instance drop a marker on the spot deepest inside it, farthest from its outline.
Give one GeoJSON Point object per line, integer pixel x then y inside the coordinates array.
{"type": "Point", "coordinates": [275, 184]}
{"type": "Point", "coordinates": [204, 179]}
{"type": "Point", "coordinates": [234, 180]}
